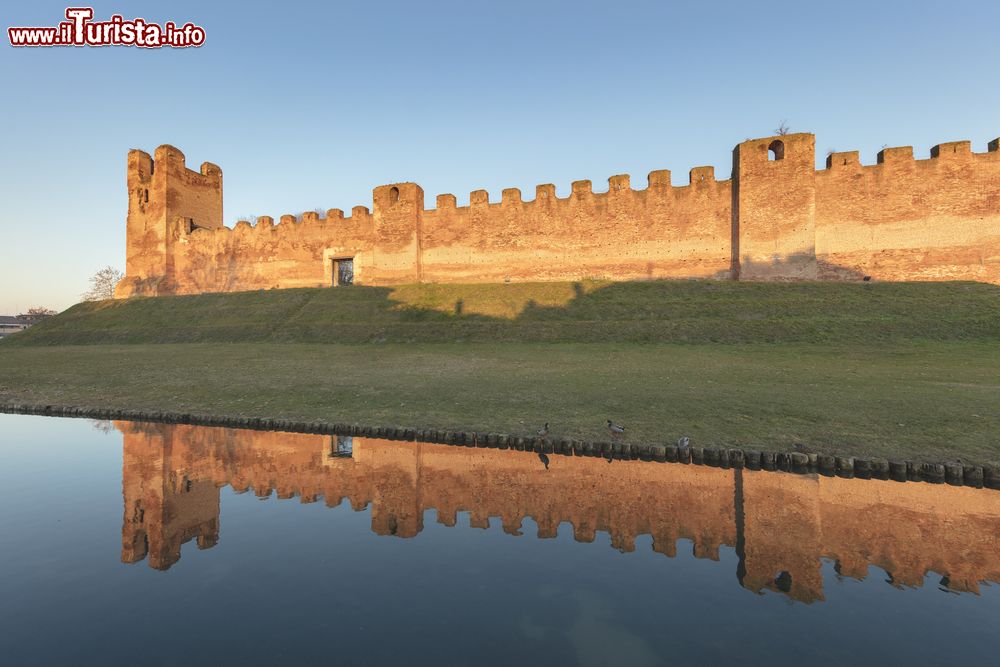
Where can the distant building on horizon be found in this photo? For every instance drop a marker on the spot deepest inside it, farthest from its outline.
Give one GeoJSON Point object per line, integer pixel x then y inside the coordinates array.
{"type": "Point", "coordinates": [11, 324]}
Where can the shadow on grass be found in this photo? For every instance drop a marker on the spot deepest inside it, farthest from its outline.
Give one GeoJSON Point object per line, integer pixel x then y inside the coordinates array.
{"type": "Point", "coordinates": [587, 311]}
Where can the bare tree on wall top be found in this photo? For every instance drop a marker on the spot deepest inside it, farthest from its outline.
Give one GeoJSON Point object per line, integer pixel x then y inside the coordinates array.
{"type": "Point", "coordinates": [782, 129]}
{"type": "Point", "coordinates": [102, 284]}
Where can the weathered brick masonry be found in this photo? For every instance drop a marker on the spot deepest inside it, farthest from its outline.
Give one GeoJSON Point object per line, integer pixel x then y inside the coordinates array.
{"type": "Point", "coordinates": [777, 218]}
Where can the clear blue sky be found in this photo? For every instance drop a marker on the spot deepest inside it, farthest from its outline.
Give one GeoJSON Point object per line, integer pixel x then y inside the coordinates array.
{"type": "Point", "coordinates": [312, 104]}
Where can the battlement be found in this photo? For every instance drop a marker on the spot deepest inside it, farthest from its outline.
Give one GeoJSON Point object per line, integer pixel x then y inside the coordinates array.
{"type": "Point", "coordinates": [777, 217]}
{"type": "Point", "coordinates": [952, 149]}
{"type": "Point", "coordinates": [701, 175]}
{"type": "Point", "coordinates": [895, 155]}
{"type": "Point", "coordinates": [657, 181]}
{"type": "Point", "coordinates": [901, 155]}
{"type": "Point", "coordinates": [850, 159]}
{"type": "Point", "coordinates": [545, 193]}
{"type": "Point", "coordinates": [167, 157]}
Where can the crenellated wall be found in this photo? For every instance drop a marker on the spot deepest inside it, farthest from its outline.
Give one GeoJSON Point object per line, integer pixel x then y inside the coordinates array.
{"type": "Point", "coordinates": [907, 219]}
{"type": "Point", "coordinates": [777, 218]}
{"type": "Point", "coordinates": [661, 231]}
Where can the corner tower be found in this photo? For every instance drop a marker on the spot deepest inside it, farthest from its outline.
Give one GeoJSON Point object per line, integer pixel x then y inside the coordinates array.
{"type": "Point", "coordinates": [774, 208]}
{"type": "Point", "coordinates": [163, 196]}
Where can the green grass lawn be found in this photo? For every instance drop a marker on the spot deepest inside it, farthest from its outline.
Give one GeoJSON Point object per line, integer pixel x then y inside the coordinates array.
{"type": "Point", "coordinates": [925, 401]}
{"type": "Point", "coordinates": [896, 370]}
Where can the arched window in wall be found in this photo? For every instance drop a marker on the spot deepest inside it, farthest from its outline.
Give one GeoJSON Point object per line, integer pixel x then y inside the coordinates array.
{"type": "Point", "coordinates": [776, 151]}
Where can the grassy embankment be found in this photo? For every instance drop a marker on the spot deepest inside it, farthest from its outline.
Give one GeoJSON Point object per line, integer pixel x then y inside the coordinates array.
{"type": "Point", "coordinates": [894, 370]}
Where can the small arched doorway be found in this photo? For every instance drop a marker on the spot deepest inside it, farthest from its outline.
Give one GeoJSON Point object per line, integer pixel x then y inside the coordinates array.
{"type": "Point", "coordinates": [776, 150]}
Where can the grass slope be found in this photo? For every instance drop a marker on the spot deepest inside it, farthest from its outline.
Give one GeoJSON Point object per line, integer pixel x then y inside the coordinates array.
{"type": "Point", "coordinates": [900, 370]}
{"type": "Point", "coordinates": [655, 311]}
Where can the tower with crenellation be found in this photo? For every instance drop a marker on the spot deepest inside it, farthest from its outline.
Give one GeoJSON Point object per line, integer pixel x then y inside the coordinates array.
{"type": "Point", "coordinates": [166, 202]}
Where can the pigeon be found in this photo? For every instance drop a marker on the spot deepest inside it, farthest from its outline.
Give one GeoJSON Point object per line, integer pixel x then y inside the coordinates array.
{"type": "Point", "coordinates": [683, 441]}
{"type": "Point", "coordinates": [544, 431]}
{"type": "Point", "coordinates": [616, 429]}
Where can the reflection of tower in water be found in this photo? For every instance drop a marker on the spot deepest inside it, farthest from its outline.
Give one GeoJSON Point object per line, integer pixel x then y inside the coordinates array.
{"type": "Point", "coordinates": [164, 506]}
{"type": "Point", "coordinates": [780, 525]}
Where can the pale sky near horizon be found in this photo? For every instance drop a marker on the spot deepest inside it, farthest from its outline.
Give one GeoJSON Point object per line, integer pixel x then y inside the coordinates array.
{"type": "Point", "coordinates": [312, 104]}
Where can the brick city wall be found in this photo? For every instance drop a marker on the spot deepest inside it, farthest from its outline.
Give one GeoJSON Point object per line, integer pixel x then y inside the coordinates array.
{"type": "Point", "coordinates": [777, 218]}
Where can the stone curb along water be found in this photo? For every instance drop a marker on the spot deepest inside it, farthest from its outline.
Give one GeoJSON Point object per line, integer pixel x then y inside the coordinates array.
{"type": "Point", "coordinates": [955, 474]}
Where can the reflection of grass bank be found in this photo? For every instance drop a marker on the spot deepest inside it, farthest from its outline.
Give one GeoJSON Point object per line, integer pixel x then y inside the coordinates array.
{"type": "Point", "coordinates": [647, 312]}
{"type": "Point", "coordinates": [920, 400]}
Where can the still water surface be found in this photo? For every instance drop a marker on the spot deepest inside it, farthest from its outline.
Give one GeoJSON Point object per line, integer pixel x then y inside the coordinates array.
{"type": "Point", "coordinates": [128, 543]}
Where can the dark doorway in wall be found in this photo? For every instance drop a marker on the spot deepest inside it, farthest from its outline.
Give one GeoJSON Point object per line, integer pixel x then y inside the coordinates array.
{"type": "Point", "coordinates": [343, 271]}
{"type": "Point", "coordinates": [341, 447]}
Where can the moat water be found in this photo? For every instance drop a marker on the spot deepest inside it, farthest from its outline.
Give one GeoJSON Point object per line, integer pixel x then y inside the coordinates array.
{"type": "Point", "coordinates": [126, 543]}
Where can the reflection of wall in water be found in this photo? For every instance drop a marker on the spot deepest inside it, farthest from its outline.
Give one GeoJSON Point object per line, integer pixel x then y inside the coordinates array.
{"type": "Point", "coordinates": [780, 524]}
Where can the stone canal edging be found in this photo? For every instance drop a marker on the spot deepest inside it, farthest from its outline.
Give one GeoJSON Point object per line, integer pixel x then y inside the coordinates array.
{"type": "Point", "coordinates": [956, 474]}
